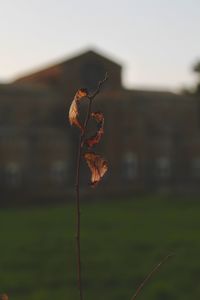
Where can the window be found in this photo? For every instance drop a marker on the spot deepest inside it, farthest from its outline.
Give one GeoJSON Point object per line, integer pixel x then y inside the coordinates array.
{"type": "Point", "coordinates": [59, 172]}
{"type": "Point", "coordinates": [92, 72]}
{"type": "Point", "coordinates": [130, 165]}
{"type": "Point", "coordinates": [196, 167]}
{"type": "Point", "coordinates": [13, 174]}
{"type": "Point", "coordinates": [163, 167]}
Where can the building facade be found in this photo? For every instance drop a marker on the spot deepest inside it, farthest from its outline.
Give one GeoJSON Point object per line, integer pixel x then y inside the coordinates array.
{"type": "Point", "coordinates": [151, 140]}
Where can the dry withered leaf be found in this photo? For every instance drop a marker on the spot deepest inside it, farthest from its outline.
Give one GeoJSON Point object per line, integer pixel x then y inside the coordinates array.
{"type": "Point", "coordinates": [97, 165]}
{"type": "Point", "coordinates": [98, 116]}
{"type": "Point", "coordinates": [73, 111]}
{"type": "Point", "coordinates": [3, 297]}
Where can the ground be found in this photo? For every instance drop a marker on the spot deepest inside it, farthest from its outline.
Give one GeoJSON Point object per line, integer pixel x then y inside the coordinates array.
{"type": "Point", "coordinates": [122, 240]}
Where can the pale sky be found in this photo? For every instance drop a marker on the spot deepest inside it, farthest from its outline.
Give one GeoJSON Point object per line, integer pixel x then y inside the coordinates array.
{"type": "Point", "coordinates": [157, 41]}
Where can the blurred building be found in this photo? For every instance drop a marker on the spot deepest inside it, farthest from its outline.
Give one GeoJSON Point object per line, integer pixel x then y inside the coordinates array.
{"type": "Point", "coordinates": [151, 140]}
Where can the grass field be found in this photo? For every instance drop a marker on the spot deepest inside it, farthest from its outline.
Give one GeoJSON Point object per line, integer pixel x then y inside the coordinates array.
{"type": "Point", "coordinates": [121, 242]}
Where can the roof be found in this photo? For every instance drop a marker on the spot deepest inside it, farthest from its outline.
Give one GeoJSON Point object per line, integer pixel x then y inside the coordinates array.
{"type": "Point", "coordinates": [55, 69]}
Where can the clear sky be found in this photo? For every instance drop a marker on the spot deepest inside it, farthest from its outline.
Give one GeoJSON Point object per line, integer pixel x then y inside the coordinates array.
{"type": "Point", "coordinates": [157, 41]}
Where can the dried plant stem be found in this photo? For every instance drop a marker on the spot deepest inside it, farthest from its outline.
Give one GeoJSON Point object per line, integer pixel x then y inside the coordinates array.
{"type": "Point", "coordinates": [77, 186]}
{"type": "Point", "coordinates": [148, 277]}
{"type": "Point", "coordinates": [78, 244]}
{"type": "Point", "coordinates": [99, 87]}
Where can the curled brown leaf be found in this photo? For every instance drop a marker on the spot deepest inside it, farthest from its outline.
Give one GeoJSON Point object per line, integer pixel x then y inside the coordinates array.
{"type": "Point", "coordinates": [3, 297]}
{"type": "Point", "coordinates": [73, 111]}
{"type": "Point", "coordinates": [92, 141]}
{"type": "Point", "coordinates": [97, 165]}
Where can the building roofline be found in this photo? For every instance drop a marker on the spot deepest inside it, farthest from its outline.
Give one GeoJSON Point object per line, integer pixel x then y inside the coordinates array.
{"type": "Point", "coordinates": [55, 65]}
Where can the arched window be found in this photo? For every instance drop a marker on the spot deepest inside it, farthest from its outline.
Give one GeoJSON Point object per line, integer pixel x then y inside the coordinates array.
{"type": "Point", "coordinates": [163, 167]}
{"type": "Point", "coordinates": [92, 72]}
{"type": "Point", "coordinates": [59, 171]}
{"type": "Point", "coordinates": [196, 167]}
{"type": "Point", "coordinates": [130, 165]}
{"type": "Point", "coordinates": [13, 174]}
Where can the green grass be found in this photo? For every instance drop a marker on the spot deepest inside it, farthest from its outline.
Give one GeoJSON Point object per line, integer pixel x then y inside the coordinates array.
{"type": "Point", "coordinates": [121, 242]}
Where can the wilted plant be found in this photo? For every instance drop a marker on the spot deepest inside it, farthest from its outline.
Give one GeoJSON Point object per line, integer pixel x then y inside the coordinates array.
{"type": "Point", "coordinates": [97, 165]}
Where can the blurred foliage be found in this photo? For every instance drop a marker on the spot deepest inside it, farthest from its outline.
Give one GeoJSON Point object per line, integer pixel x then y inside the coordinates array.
{"type": "Point", "coordinates": [195, 90]}
{"type": "Point", "coordinates": [122, 241]}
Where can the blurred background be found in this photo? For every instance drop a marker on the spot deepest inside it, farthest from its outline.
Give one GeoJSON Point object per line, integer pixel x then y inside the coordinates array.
{"type": "Point", "coordinates": [148, 204]}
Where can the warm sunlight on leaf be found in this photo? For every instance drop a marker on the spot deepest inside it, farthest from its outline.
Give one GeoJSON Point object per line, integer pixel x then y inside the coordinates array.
{"type": "Point", "coordinates": [73, 111]}
{"type": "Point", "coordinates": [98, 116]}
{"type": "Point", "coordinates": [97, 165]}
{"type": "Point", "coordinates": [3, 297]}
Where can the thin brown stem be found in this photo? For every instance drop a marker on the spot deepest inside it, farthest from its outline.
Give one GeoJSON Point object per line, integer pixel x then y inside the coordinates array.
{"type": "Point", "coordinates": [77, 186]}
{"type": "Point", "coordinates": [99, 87]}
{"type": "Point", "coordinates": [78, 244]}
{"type": "Point", "coordinates": [148, 277]}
